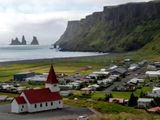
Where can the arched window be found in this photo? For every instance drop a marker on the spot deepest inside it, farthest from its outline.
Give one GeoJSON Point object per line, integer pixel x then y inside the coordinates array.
{"type": "Point", "coordinates": [51, 103]}
{"type": "Point", "coordinates": [46, 104]}
{"type": "Point", "coordinates": [35, 106]}
{"type": "Point", "coordinates": [41, 105]}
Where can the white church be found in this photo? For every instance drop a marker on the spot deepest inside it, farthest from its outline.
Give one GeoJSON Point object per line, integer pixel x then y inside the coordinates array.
{"type": "Point", "coordinates": [35, 100]}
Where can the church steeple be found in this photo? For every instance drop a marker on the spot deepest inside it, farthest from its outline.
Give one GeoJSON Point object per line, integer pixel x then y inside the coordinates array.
{"type": "Point", "coordinates": [52, 82]}
{"type": "Point", "coordinates": [52, 79]}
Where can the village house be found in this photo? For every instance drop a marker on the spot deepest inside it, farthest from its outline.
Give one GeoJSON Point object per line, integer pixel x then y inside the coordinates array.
{"type": "Point", "coordinates": [153, 74]}
{"type": "Point", "coordinates": [23, 75]}
{"type": "Point", "coordinates": [117, 100]}
{"type": "Point", "coordinates": [133, 67]}
{"type": "Point", "coordinates": [136, 80]}
{"type": "Point", "coordinates": [156, 90]}
{"type": "Point", "coordinates": [144, 102]}
{"type": "Point", "coordinates": [35, 100]}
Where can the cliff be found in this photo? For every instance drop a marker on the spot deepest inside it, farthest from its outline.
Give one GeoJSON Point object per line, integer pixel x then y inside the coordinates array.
{"type": "Point", "coordinates": [120, 28]}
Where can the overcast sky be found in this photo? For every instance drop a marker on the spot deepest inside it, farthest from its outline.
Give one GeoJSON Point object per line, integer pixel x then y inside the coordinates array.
{"type": "Point", "coordinates": [46, 19]}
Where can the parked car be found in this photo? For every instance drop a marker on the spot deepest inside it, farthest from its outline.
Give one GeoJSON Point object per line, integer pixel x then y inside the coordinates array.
{"type": "Point", "coordinates": [83, 117]}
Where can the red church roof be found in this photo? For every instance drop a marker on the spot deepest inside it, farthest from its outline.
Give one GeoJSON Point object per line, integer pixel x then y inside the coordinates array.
{"type": "Point", "coordinates": [20, 100]}
{"type": "Point", "coordinates": [52, 76]}
{"type": "Point", "coordinates": [41, 95]}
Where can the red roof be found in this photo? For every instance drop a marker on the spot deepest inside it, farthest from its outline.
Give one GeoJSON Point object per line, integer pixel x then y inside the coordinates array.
{"type": "Point", "coordinates": [20, 100]}
{"type": "Point", "coordinates": [52, 76]}
{"type": "Point", "coordinates": [154, 109]}
{"type": "Point", "coordinates": [41, 95]}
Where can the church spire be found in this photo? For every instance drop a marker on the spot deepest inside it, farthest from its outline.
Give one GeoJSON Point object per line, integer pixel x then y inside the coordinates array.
{"type": "Point", "coordinates": [52, 79]}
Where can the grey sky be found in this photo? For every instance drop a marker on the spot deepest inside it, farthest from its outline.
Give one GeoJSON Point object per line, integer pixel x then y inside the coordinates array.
{"type": "Point", "coordinates": [47, 19]}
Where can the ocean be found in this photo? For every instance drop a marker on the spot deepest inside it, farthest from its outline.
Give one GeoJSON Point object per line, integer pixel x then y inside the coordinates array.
{"type": "Point", "coordinates": [29, 52]}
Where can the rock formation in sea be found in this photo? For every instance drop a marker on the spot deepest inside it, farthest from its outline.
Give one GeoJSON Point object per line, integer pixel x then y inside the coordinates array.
{"type": "Point", "coordinates": [15, 42]}
{"type": "Point", "coordinates": [34, 41]}
{"type": "Point", "coordinates": [24, 42]}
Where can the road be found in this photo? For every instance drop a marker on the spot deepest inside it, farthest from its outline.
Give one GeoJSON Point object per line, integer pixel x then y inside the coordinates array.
{"type": "Point", "coordinates": [138, 73]}
{"type": "Point", "coordinates": [67, 113]}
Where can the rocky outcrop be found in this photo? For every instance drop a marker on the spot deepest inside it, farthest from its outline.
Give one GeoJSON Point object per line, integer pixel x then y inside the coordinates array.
{"type": "Point", "coordinates": [24, 42]}
{"type": "Point", "coordinates": [15, 42]}
{"type": "Point", "coordinates": [34, 41]}
{"type": "Point", "coordinates": [117, 28]}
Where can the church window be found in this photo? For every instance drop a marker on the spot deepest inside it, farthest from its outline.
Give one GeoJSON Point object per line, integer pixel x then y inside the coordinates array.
{"type": "Point", "coordinates": [41, 105]}
{"type": "Point", "coordinates": [51, 103]}
{"type": "Point", "coordinates": [35, 105]}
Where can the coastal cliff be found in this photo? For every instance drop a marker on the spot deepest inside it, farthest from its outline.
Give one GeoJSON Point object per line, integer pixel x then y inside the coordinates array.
{"type": "Point", "coordinates": [120, 28]}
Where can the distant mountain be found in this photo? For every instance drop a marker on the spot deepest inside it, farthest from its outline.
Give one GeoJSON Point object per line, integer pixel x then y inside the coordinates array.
{"type": "Point", "coordinates": [34, 41]}
{"type": "Point", "coordinates": [120, 28]}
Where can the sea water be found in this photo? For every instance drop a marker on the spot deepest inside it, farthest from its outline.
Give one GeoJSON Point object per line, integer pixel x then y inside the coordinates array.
{"type": "Point", "coordinates": [29, 52]}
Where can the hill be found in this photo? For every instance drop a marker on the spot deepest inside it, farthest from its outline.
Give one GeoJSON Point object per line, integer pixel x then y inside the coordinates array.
{"type": "Point", "coordinates": [120, 28]}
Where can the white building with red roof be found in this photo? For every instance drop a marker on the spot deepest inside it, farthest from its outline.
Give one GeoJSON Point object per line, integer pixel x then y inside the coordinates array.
{"type": "Point", "coordinates": [35, 100]}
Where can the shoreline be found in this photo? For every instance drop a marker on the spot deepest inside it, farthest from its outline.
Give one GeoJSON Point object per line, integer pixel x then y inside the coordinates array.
{"type": "Point", "coordinates": [31, 61]}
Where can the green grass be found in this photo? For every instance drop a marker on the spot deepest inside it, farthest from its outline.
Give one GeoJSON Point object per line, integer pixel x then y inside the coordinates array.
{"type": "Point", "coordinates": [125, 95]}
{"type": "Point", "coordinates": [9, 94]}
{"type": "Point", "coordinates": [98, 95]}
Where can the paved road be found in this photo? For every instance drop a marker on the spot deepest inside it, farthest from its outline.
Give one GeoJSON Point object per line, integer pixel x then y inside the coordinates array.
{"type": "Point", "coordinates": [138, 73]}
{"type": "Point", "coordinates": [67, 113]}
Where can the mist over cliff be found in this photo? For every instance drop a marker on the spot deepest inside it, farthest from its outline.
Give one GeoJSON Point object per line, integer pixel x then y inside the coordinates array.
{"type": "Point", "coordinates": [120, 28]}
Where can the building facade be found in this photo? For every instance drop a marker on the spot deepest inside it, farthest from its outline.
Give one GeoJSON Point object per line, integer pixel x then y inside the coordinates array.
{"type": "Point", "coordinates": [35, 100]}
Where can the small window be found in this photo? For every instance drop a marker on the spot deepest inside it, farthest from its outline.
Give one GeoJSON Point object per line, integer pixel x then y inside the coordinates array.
{"type": "Point", "coordinates": [22, 106]}
{"type": "Point", "coordinates": [51, 103]}
{"type": "Point", "coordinates": [35, 105]}
{"type": "Point", "coordinates": [46, 104]}
{"type": "Point", "coordinates": [59, 102]}
{"type": "Point", "coordinates": [41, 105]}
{"type": "Point", "coordinates": [55, 85]}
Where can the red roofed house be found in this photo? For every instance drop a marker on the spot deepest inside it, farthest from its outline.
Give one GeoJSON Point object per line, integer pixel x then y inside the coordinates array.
{"type": "Point", "coordinates": [35, 100]}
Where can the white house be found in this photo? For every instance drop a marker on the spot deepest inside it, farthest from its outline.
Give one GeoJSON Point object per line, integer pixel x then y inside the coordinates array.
{"type": "Point", "coordinates": [144, 102]}
{"type": "Point", "coordinates": [136, 80]}
{"type": "Point", "coordinates": [156, 90]}
{"type": "Point", "coordinates": [133, 67]}
{"type": "Point", "coordinates": [35, 100]}
{"type": "Point", "coordinates": [153, 74]}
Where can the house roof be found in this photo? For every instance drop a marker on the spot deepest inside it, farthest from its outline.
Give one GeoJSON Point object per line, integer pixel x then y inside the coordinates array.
{"type": "Point", "coordinates": [41, 95]}
{"type": "Point", "coordinates": [145, 99]}
{"type": "Point", "coordinates": [120, 70]}
{"type": "Point", "coordinates": [51, 79]}
{"type": "Point", "coordinates": [154, 109]}
{"type": "Point", "coordinates": [20, 100]}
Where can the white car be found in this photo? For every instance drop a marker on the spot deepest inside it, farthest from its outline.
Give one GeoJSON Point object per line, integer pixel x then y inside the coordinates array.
{"type": "Point", "coordinates": [83, 117]}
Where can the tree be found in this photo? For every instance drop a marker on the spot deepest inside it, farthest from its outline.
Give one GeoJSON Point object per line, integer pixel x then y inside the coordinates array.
{"type": "Point", "coordinates": [132, 100]}
{"type": "Point", "coordinates": [142, 94]}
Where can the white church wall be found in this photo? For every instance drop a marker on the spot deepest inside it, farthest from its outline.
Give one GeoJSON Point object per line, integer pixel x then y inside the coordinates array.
{"type": "Point", "coordinates": [16, 108]}
{"type": "Point", "coordinates": [44, 106]}
{"type": "Point", "coordinates": [53, 87]}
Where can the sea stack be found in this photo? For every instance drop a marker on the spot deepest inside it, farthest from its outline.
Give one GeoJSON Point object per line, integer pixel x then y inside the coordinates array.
{"type": "Point", "coordinates": [24, 42]}
{"type": "Point", "coordinates": [15, 42]}
{"type": "Point", "coordinates": [34, 41]}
